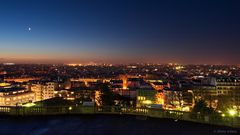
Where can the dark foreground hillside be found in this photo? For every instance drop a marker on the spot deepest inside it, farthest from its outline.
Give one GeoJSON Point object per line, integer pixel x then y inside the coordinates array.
{"type": "Point", "coordinates": [105, 125]}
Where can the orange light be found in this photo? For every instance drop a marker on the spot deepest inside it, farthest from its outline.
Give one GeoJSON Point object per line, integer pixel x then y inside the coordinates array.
{"type": "Point", "coordinates": [124, 87]}
{"type": "Point", "coordinates": [159, 98]}
{"type": "Point", "coordinates": [124, 79]}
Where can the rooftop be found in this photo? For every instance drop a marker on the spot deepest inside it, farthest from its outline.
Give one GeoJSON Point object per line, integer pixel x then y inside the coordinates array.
{"type": "Point", "coordinates": [11, 89]}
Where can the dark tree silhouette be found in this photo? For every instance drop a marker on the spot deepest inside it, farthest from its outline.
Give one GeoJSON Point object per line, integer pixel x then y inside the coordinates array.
{"type": "Point", "coordinates": [224, 103]}
{"type": "Point", "coordinates": [202, 108]}
{"type": "Point", "coordinates": [107, 96]}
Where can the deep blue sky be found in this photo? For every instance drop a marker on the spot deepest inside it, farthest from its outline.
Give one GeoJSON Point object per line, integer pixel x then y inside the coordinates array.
{"type": "Point", "coordinates": [120, 31]}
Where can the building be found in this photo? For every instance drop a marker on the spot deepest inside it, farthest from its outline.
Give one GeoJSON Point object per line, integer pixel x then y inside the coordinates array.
{"type": "Point", "coordinates": [188, 100]}
{"type": "Point", "coordinates": [37, 89]}
{"type": "Point", "coordinates": [160, 85]}
{"type": "Point", "coordinates": [12, 96]}
{"type": "Point", "coordinates": [78, 84]}
{"type": "Point", "coordinates": [218, 88]}
{"type": "Point", "coordinates": [173, 98]}
{"type": "Point", "coordinates": [229, 87]}
{"type": "Point", "coordinates": [20, 80]}
{"type": "Point", "coordinates": [65, 94]}
{"type": "Point", "coordinates": [134, 83]}
{"type": "Point", "coordinates": [116, 83]}
{"type": "Point", "coordinates": [43, 90]}
{"type": "Point", "coordinates": [146, 97]}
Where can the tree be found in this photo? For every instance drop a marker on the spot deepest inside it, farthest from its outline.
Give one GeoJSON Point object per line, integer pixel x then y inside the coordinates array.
{"type": "Point", "coordinates": [224, 103]}
{"type": "Point", "coordinates": [107, 96]}
{"type": "Point", "coordinates": [202, 108]}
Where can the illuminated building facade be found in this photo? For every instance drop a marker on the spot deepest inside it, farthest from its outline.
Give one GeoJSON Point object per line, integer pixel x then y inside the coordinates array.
{"type": "Point", "coordinates": [220, 87]}
{"type": "Point", "coordinates": [229, 87]}
{"type": "Point", "coordinates": [12, 96]}
{"type": "Point", "coordinates": [44, 91]}
{"type": "Point", "coordinates": [159, 98]}
{"type": "Point", "coordinates": [65, 94]}
{"type": "Point", "coordinates": [37, 89]}
{"type": "Point", "coordinates": [129, 81]}
{"type": "Point", "coordinates": [173, 98]}
{"type": "Point", "coordinates": [146, 97]}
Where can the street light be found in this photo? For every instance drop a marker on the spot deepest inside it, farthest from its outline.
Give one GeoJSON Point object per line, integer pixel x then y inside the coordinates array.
{"type": "Point", "coordinates": [232, 112]}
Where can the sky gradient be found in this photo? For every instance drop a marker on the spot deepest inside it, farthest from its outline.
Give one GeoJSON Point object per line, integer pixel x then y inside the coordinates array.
{"type": "Point", "coordinates": [120, 31]}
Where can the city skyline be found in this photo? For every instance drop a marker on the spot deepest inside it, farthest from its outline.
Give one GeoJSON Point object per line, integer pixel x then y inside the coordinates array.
{"type": "Point", "coordinates": [120, 32]}
{"type": "Point", "coordinates": [119, 67]}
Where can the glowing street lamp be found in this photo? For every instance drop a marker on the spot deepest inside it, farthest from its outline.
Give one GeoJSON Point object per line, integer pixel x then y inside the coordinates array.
{"type": "Point", "coordinates": [232, 112]}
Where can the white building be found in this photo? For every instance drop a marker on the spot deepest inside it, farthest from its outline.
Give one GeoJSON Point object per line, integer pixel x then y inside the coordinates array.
{"type": "Point", "coordinates": [12, 96]}
{"type": "Point", "coordinates": [43, 91]}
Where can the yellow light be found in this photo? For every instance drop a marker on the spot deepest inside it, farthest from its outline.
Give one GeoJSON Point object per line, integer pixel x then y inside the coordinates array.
{"type": "Point", "coordinates": [232, 112]}
{"type": "Point", "coordinates": [124, 79]}
{"type": "Point", "coordinates": [70, 108]}
{"type": "Point", "coordinates": [72, 65]}
{"type": "Point", "coordinates": [223, 115]}
{"type": "Point", "coordinates": [186, 109]}
{"type": "Point", "coordinates": [4, 84]}
{"type": "Point", "coordinates": [97, 98]}
{"type": "Point", "coordinates": [124, 87]}
{"type": "Point", "coordinates": [29, 105]}
{"type": "Point", "coordinates": [147, 102]}
{"type": "Point", "coordinates": [159, 98]}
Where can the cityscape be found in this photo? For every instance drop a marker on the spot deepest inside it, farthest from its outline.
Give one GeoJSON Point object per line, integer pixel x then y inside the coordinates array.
{"type": "Point", "coordinates": [200, 93]}
{"type": "Point", "coordinates": [119, 67]}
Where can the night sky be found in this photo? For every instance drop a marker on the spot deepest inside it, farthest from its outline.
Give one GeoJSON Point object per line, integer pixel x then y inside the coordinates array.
{"type": "Point", "coordinates": [120, 31]}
